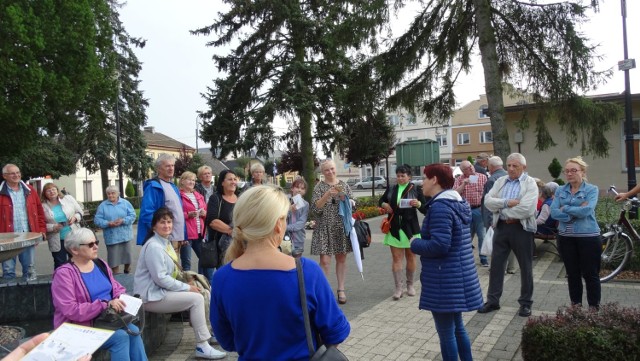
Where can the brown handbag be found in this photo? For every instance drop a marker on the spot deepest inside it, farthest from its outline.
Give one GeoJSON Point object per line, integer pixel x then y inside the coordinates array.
{"type": "Point", "coordinates": [385, 226]}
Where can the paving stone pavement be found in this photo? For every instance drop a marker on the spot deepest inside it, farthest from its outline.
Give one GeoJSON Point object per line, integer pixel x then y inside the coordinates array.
{"type": "Point", "coordinates": [385, 330]}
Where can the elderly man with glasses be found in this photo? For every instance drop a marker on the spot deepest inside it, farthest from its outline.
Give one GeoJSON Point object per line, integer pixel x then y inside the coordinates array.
{"type": "Point", "coordinates": [512, 201]}
{"type": "Point", "coordinates": [20, 211]}
{"type": "Point", "coordinates": [470, 185]}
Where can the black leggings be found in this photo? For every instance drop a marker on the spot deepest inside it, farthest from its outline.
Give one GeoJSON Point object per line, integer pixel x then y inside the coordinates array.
{"type": "Point", "coordinates": [581, 257]}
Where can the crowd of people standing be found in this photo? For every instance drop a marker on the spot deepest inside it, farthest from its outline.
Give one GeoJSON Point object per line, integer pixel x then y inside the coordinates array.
{"type": "Point", "coordinates": [247, 226]}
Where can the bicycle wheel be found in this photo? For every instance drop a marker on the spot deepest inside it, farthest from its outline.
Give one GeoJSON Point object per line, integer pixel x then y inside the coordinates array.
{"type": "Point", "coordinates": [616, 250]}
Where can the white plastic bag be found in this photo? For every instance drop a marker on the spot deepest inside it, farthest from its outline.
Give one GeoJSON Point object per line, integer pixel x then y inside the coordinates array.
{"type": "Point", "coordinates": [487, 243]}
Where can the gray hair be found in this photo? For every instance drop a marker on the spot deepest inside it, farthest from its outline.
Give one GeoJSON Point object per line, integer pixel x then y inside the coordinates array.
{"type": "Point", "coordinates": [257, 166]}
{"type": "Point", "coordinates": [6, 167]}
{"type": "Point", "coordinates": [495, 161]}
{"type": "Point", "coordinates": [112, 189]}
{"type": "Point", "coordinates": [162, 158]}
{"type": "Point", "coordinates": [75, 238]}
{"type": "Point", "coordinates": [553, 186]}
{"type": "Point", "coordinates": [546, 192]}
{"type": "Point", "coordinates": [204, 168]}
{"type": "Point", "coordinates": [518, 157]}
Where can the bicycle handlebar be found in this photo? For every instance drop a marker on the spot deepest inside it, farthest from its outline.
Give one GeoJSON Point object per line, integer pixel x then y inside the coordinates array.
{"type": "Point", "coordinates": [634, 201]}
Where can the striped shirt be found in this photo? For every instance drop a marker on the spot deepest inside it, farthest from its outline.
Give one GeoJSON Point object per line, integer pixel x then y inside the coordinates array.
{"type": "Point", "coordinates": [511, 189]}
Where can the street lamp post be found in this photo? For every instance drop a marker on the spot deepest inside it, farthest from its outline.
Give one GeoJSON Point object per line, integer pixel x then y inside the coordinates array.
{"type": "Point", "coordinates": [626, 65]}
{"type": "Point", "coordinates": [118, 139]}
{"type": "Point", "coordinates": [197, 117]}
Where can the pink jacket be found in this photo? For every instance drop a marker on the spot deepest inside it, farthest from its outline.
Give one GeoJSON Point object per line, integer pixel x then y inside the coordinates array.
{"type": "Point", "coordinates": [192, 231]}
{"type": "Point", "coordinates": [71, 299]}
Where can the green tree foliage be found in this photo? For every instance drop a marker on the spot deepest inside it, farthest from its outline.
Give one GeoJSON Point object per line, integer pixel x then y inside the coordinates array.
{"type": "Point", "coordinates": [187, 162]}
{"type": "Point", "coordinates": [532, 44]}
{"type": "Point", "coordinates": [291, 60]}
{"type": "Point", "coordinates": [129, 190]}
{"type": "Point", "coordinates": [368, 141]}
{"type": "Point", "coordinates": [57, 75]}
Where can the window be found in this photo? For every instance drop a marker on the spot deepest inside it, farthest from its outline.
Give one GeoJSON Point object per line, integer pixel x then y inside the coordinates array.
{"type": "Point", "coordinates": [482, 112]}
{"type": "Point", "coordinates": [412, 138]}
{"type": "Point", "coordinates": [382, 172]}
{"type": "Point", "coordinates": [486, 137]}
{"type": "Point", "coordinates": [463, 138]}
{"type": "Point", "coordinates": [442, 140]}
{"type": "Point", "coordinates": [394, 120]}
{"type": "Point", "coordinates": [411, 119]}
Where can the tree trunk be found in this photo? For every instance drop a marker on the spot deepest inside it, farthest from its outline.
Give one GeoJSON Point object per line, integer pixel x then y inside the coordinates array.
{"type": "Point", "coordinates": [306, 150]}
{"type": "Point", "coordinates": [492, 78]}
{"type": "Point", "coordinates": [104, 178]}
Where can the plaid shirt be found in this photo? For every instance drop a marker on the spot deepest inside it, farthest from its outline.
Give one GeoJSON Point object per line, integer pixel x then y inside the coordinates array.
{"type": "Point", "coordinates": [472, 192]}
{"type": "Point", "coordinates": [20, 218]}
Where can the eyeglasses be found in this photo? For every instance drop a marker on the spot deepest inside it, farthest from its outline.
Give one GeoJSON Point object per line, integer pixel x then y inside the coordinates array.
{"type": "Point", "coordinates": [11, 173]}
{"type": "Point", "coordinates": [92, 244]}
{"type": "Point", "coordinates": [570, 171]}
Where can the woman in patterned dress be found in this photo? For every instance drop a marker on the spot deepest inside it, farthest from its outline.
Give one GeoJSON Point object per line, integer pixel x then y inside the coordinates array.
{"type": "Point", "coordinates": [329, 238]}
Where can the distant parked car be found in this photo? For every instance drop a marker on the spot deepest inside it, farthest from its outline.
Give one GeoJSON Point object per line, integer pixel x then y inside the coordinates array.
{"type": "Point", "coordinates": [417, 180]}
{"type": "Point", "coordinates": [377, 182]}
{"type": "Point", "coordinates": [352, 181]}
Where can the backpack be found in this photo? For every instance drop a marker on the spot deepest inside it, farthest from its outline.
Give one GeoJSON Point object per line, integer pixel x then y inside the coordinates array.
{"type": "Point", "coordinates": [363, 232]}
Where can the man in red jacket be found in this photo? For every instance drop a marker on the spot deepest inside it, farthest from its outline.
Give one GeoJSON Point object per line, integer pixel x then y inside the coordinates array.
{"type": "Point", "coordinates": [20, 211]}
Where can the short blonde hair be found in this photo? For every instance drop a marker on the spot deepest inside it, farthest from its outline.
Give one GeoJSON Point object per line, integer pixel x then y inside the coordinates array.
{"type": "Point", "coordinates": [326, 163]}
{"type": "Point", "coordinates": [187, 175]}
{"type": "Point", "coordinates": [257, 166]}
{"type": "Point", "coordinates": [580, 162]}
{"type": "Point", "coordinates": [254, 217]}
{"type": "Point", "coordinates": [204, 168]}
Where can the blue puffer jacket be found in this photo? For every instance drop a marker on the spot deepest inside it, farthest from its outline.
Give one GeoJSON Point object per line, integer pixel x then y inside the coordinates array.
{"type": "Point", "coordinates": [449, 277]}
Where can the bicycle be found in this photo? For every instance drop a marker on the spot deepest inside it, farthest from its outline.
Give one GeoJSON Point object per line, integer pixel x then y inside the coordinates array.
{"type": "Point", "coordinates": [617, 246]}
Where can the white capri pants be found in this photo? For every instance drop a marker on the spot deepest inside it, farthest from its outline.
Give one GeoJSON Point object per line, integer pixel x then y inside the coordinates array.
{"type": "Point", "coordinates": [181, 301]}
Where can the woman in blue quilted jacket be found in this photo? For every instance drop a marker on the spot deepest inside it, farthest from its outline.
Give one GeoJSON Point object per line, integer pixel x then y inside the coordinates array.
{"type": "Point", "coordinates": [449, 279]}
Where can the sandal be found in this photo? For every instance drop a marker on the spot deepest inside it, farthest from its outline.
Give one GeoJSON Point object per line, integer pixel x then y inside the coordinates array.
{"type": "Point", "coordinates": [342, 300]}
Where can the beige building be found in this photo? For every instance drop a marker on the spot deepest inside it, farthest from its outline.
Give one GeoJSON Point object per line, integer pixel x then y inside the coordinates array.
{"type": "Point", "coordinates": [602, 171]}
{"type": "Point", "coordinates": [471, 128]}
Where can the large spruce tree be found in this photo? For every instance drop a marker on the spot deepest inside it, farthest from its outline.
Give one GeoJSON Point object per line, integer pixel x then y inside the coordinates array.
{"type": "Point", "coordinates": [533, 44]}
{"type": "Point", "coordinates": [291, 60]}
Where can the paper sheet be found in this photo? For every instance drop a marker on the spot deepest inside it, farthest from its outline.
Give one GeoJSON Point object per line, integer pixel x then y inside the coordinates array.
{"type": "Point", "coordinates": [69, 342]}
{"type": "Point", "coordinates": [405, 203]}
{"type": "Point", "coordinates": [298, 201]}
{"type": "Point", "coordinates": [133, 304]}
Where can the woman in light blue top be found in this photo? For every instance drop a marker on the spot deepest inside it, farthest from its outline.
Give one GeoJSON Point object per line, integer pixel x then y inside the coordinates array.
{"type": "Point", "coordinates": [155, 281]}
{"type": "Point", "coordinates": [578, 232]}
{"type": "Point", "coordinates": [62, 214]}
{"type": "Point", "coordinates": [297, 217]}
{"type": "Point", "coordinates": [116, 216]}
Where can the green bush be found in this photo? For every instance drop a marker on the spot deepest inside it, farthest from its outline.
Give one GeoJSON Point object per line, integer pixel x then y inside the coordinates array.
{"type": "Point", "coordinates": [367, 201]}
{"type": "Point", "coordinates": [576, 333]}
{"type": "Point", "coordinates": [555, 168]}
{"type": "Point", "coordinates": [130, 191]}
{"type": "Point", "coordinates": [283, 182]}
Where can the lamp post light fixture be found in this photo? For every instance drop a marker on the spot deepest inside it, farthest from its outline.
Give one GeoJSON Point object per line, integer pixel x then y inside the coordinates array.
{"type": "Point", "coordinates": [197, 125]}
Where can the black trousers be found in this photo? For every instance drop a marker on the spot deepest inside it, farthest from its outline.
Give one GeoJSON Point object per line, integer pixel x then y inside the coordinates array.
{"type": "Point", "coordinates": [581, 257]}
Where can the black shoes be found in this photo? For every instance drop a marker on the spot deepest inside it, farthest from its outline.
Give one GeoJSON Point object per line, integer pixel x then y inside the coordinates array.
{"type": "Point", "coordinates": [487, 307]}
{"type": "Point", "coordinates": [525, 311]}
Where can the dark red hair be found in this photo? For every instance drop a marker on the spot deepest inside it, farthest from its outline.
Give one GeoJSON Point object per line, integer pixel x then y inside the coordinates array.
{"type": "Point", "coordinates": [442, 172]}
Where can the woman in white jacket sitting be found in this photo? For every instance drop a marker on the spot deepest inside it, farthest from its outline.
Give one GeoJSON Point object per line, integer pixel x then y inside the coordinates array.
{"type": "Point", "coordinates": [155, 281]}
{"type": "Point", "coordinates": [62, 214]}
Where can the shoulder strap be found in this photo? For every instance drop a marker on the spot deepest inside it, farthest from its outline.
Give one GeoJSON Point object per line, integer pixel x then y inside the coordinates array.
{"type": "Point", "coordinates": [303, 303]}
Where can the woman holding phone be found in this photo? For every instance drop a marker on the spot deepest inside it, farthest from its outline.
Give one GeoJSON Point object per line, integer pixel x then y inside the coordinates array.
{"type": "Point", "coordinates": [329, 238]}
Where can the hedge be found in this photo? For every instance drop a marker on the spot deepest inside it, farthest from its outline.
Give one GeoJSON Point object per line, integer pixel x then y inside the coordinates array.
{"type": "Point", "coordinates": [577, 333]}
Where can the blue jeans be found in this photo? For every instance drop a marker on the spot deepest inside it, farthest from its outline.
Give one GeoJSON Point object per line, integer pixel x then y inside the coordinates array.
{"type": "Point", "coordinates": [26, 260]}
{"type": "Point", "coordinates": [185, 256]}
{"type": "Point", "coordinates": [123, 346]}
{"type": "Point", "coordinates": [477, 228]}
{"type": "Point", "coordinates": [454, 340]}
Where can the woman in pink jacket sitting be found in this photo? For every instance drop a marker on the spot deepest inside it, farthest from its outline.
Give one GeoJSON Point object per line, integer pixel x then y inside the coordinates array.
{"type": "Point", "coordinates": [84, 287]}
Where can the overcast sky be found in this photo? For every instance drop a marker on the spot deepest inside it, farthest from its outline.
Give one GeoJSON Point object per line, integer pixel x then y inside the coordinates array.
{"type": "Point", "coordinates": [177, 66]}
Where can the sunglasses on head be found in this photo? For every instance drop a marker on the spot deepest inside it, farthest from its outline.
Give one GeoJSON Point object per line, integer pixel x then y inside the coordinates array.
{"type": "Point", "coordinates": [91, 244]}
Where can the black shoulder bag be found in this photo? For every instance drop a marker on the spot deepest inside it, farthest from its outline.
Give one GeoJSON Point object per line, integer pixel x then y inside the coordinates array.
{"type": "Point", "coordinates": [324, 352]}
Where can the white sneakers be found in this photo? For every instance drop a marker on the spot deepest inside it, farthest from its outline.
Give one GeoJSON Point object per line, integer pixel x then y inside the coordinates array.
{"type": "Point", "coordinates": [209, 353]}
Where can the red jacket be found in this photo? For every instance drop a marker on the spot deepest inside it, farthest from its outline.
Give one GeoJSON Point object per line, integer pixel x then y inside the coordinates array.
{"type": "Point", "coordinates": [35, 212]}
{"type": "Point", "coordinates": [192, 230]}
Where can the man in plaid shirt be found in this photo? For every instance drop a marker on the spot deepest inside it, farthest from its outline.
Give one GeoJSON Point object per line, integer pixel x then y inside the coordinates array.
{"type": "Point", "coordinates": [470, 185]}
